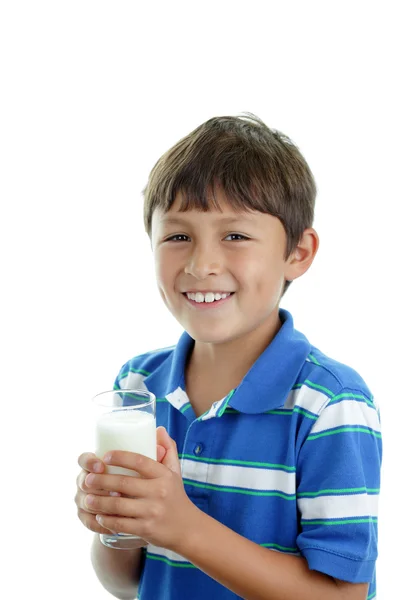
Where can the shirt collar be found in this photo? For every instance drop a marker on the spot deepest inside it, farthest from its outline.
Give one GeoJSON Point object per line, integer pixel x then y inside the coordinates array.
{"type": "Point", "coordinates": [265, 386]}
{"type": "Point", "coordinates": [169, 377]}
{"type": "Point", "coordinates": [269, 381]}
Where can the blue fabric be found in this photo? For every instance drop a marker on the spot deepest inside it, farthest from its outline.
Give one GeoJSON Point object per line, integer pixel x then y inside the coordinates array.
{"type": "Point", "coordinates": [290, 459]}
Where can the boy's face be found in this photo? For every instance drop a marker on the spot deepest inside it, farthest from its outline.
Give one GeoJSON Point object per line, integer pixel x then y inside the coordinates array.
{"type": "Point", "coordinates": [206, 253]}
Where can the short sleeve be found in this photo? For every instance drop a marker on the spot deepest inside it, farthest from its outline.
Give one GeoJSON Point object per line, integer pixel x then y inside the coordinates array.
{"type": "Point", "coordinates": [131, 375]}
{"type": "Point", "coordinates": [338, 484]}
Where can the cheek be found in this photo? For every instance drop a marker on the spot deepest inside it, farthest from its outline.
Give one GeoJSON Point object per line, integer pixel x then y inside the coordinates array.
{"type": "Point", "coordinates": [164, 270]}
{"type": "Point", "coordinates": [263, 273]}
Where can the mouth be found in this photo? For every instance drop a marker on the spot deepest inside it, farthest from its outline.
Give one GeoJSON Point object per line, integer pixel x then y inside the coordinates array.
{"type": "Point", "coordinates": [207, 298]}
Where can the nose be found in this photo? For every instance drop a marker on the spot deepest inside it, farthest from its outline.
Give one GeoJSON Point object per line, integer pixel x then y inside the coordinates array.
{"type": "Point", "coordinates": [204, 260]}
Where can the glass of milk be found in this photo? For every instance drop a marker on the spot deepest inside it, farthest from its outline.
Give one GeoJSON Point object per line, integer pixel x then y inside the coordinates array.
{"type": "Point", "coordinates": [125, 420]}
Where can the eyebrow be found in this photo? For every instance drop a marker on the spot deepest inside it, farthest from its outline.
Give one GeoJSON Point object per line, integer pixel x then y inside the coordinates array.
{"type": "Point", "coordinates": [168, 220]}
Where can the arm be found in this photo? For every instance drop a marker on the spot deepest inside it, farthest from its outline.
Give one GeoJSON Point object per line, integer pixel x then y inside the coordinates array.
{"type": "Point", "coordinates": [256, 573]}
{"type": "Point", "coordinates": [117, 570]}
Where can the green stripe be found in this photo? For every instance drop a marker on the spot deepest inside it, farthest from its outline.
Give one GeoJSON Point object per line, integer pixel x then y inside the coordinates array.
{"type": "Point", "coordinates": [185, 407]}
{"type": "Point", "coordinates": [229, 396]}
{"type": "Point", "coordinates": [373, 595]}
{"type": "Point", "coordinates": [283, 548]}
{"type": "Point", "coordinates": [351, 395]}
{"type": "Point", "coordinates": [341, 430]}
{"type": "Point", "coordinates": [237, 490]}
{"type": "Point", "coordinates": [171, 563]}
{"type": "Point", "coordinates": [339, 492]}
{"type": "Point", "coordinates": [238, 462]}
{"type": "Point", "coordinates": [315, 386]}
{"type": "Point", "coordinates": [333, 396]}
{"type": "Point", "coordinates": [289, 412]}
{"type": "Point", "coordinates": [339, 522]}
{"type": "Point", "coordinates": [162, 400]}
{"type": "Point", "coordinates": [231, 411]}
{"type": "Point", "coordinates": [132, 370]}
{"type": "Point", "coordinates": [306, 413]}
{"type": "Point", "coordinates": [313, 359]}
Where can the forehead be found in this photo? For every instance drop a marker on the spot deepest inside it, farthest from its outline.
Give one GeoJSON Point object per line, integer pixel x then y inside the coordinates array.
{"type": "Point", "coordinates": [219, 208]}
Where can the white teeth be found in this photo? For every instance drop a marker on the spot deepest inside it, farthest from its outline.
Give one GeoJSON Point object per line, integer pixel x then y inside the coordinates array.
{"type": "Point", "coordinates": [207, 297]}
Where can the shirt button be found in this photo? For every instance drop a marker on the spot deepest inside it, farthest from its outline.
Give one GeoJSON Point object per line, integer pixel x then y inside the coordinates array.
{"type": "Point", "coordinates": [198, 449]}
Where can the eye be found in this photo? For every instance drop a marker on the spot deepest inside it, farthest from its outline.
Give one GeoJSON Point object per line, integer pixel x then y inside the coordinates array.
{"type": "Point", "coordinates": [179, 237]}
{"type": "Point", "coordinates": [236, 237]}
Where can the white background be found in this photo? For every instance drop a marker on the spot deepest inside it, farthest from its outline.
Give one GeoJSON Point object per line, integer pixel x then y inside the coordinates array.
{"type": "Point", "coordinates": [92, 93]}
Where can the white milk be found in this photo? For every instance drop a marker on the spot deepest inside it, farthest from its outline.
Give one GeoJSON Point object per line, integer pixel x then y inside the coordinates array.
{"type": "Point", "coordinates": [130, 430]}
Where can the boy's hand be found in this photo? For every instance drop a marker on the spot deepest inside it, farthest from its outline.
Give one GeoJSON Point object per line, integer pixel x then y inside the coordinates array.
{"type": "Point", "coordinates": [154, 506]}
{"type": "Point", "coordinates": [90, 464]}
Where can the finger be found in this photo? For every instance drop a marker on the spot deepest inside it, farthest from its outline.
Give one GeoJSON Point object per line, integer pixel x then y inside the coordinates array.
{"type": "Point", "coordinates": [90, 462]}
{"type": "Point", "coordinates": [82, 485]}
{"type": "Point", "coordinates": [120, 524]}
{"type": "Point", "coordinates": [161, 452]}
{"type": "Point", "coordinates": [121, 484]}
{"type": "Point", "coordinates": [145, 466]}
{"type": "Point", "coordinates": [80, 501]}
{"type": "Point", "coordinates": [89, 521]}
{"type": "Point", "coordinates": [126, 507]}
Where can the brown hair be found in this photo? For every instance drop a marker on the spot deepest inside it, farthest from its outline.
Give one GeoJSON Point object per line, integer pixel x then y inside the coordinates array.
{"type": "Point", "coordinates": [258, 168]}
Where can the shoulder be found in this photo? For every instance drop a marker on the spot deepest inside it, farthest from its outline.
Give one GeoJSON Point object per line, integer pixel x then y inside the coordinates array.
{"type": "Point", "coordinates": [332, 377]}
{"type": "Point", "coordinates": [136, 370]}
{"type": "Point", "coordinates": [327, 389]}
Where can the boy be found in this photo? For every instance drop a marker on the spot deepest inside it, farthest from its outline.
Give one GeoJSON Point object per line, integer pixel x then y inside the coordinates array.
{"type": "Point", "coordinates": [267, 481]}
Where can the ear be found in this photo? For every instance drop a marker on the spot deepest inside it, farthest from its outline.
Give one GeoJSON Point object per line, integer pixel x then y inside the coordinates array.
{"type": "Point", "coordinates": [303, 255]}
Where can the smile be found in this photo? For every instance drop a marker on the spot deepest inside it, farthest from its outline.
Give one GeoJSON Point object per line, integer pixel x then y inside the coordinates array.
{"type": "Point", "coordinates": [207, 300]}
{"type": "Point", "coordinates": [208, 297]}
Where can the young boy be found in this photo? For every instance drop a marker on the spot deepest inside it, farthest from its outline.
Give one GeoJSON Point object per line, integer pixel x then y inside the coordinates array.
{"type": "Point", "coordinates": [267, 481]}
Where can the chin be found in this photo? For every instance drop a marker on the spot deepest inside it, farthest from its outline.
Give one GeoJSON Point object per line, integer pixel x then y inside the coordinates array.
{"type": "Point", "coordinates": [211, 336]}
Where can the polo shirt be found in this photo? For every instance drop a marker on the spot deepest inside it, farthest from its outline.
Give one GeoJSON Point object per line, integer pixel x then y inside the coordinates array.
{"type": "Point", "coordinates": [290, 459]}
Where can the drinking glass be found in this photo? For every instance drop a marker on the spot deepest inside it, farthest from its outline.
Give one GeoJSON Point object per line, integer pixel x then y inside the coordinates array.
{"type": "Point", "coordinates": [125, 420]}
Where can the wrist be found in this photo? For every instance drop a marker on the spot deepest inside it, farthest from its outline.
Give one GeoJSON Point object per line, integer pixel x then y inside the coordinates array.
{"type": "Point", "coordinates": [193, 532]}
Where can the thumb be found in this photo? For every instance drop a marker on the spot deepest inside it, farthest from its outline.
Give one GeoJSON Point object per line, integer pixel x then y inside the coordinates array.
{"type": "Point", "coordinates": [171, 459]}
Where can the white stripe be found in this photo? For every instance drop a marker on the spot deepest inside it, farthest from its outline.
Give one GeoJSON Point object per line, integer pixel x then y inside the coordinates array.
{"type": "Point", "coordinates": [347, 412]}
{"type": "Point", "coordinates": [178, 398]}
{"type": "Point", "coordinates": [133, 381]}
{"type": "Point", "coordinates": [240, 477]}
{"type": "Point", "coordinates": [308, 399]}
{"type": "Point", "coordinates": [213, 410]}
{"type": "Point", "coordinates": [336, 507]}
{"type": "Point", "coordinates": [166, 553]}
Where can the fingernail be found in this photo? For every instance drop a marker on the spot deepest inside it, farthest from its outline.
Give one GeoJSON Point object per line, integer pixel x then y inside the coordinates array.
{"type": "Point", "coordinates": [89, 500]}
{"type": "Point", "coordinates": [99, 519]}
{"type": "Point", "coordinates": [89, 479]}
{"type": "Point", "coordinates": [97, 467]}
{"type": "Point", "coordinates": [115, 494]}
{"type": "Point", "coordinates": [107, 458]}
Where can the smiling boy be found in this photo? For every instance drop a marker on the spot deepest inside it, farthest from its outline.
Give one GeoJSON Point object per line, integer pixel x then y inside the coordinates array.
{"type": "Point", "coordinates": [267, 481]}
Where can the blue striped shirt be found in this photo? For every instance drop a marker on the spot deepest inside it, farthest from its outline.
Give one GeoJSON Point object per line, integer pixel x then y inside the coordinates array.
{"type": "Point", "coordinates": [290, 459]}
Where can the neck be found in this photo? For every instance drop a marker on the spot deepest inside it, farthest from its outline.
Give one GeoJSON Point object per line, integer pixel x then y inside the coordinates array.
{"type": "Point", "coordinates": [231, 360]}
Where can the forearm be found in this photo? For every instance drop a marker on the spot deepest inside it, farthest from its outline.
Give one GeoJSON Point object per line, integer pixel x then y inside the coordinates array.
{"type": "Point", "coordinates": [250, 571]}
{"type": "Point", "coordinates": [117, 570]}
